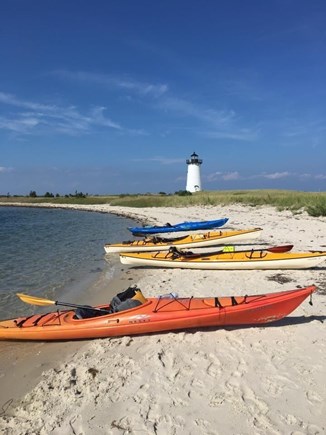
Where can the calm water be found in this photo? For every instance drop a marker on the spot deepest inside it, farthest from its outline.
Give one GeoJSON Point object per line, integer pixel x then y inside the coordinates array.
{"type": "Point", "coordinates": [44, 251]}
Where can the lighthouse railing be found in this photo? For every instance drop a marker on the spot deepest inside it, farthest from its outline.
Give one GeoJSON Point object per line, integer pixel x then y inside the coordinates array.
{"type": "Point", "coordinates": [194, 161]}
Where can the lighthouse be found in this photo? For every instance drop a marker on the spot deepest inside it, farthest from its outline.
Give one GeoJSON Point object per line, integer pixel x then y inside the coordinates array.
{"type": "Point", "coordinates": [193, 175]}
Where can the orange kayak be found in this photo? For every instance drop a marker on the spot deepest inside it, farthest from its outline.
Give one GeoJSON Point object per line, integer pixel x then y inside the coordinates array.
{"type": "Point", "coordinates": [156, 315]}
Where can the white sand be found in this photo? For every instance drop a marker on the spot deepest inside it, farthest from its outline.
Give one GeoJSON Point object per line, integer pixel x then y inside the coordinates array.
{"type": "Point", "coordinates": [261, 380]}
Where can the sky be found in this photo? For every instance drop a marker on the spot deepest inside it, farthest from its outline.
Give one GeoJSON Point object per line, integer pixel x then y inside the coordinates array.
{"type": "Point", "coordinates": [111, 97]}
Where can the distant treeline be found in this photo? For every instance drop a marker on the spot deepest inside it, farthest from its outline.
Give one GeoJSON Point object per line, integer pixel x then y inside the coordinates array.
{"type": "Point", "coordinates": [33, 194]}
{"type": "Point", "coordinates": [314, 203]}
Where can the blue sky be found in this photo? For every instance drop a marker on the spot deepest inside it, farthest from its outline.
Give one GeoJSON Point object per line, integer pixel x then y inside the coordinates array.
{"type": "Point", "coordinates": [113, 96]}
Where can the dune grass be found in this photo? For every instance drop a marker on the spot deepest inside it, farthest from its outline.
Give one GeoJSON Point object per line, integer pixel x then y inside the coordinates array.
{"type": "Point", "coordinates": [312, 202]}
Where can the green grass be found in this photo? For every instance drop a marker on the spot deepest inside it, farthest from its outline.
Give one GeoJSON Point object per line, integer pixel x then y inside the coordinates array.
{"type": "Point", "coordinates": [312, 202]}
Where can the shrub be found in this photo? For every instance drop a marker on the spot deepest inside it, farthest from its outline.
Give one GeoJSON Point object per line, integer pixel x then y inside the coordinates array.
{"type": "Point", "coordinates": [183, 193]}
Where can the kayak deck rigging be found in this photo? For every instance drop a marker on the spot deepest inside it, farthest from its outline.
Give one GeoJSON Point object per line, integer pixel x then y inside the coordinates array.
{"type": "Point", "coordinates": [27, 322]}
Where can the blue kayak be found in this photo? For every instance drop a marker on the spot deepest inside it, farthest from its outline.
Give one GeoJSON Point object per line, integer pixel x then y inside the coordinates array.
{"type": "Point", "coordinates": [183, 226]}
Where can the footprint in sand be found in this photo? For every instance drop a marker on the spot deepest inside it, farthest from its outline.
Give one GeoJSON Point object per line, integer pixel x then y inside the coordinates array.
{"type": "Point", "coordinates": [203, 427]}
{"type": "Point", "coordinates": [291, 419]}
{"type": "Point", "coordinates": [178, 402]}
{"type": "Point", "coordinates": [259, 410]}
{"type": "Point", "coordinates": [214, 368]}
{"type": "Point", "coordinates": [313, 429]}
{"type": "Point", "coordinates": [197, 383]}
{"type": "Point", "coordinates": [205, 364]}
{"type": "Point", "coordinates": [236, 375]}
{"type": "Point", "coordinates": [217, 400]}
{"type": "Point", "coordinates": [142, 395]}
{"type": "Point", "coordinates": [313, 397]}
{"type": "Point", "coordinates": [165, 424]}
{"type": "Point", "coordinates": [167, 359]}
{"type": "Point", "coordinates": [256, 405]}
{"type": "Point", "coordinates": [74, 426]}
{"type": "Point", "coordinates": [273, 387]}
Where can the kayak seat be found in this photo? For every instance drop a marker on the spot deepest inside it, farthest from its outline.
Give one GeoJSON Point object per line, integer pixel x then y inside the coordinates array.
{"type": "Point", "coordinates": [130, 298]}
{"type": "Point", "coordinates": [87, 313]}
{"type": "Point", "coordinates": [125, 305]}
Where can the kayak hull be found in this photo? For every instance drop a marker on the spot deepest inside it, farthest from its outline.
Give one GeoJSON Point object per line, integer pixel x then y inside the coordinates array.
{"type": "Point", "coordinates": [183, 226]}
{"type": "Point", "coordinates": [158, 315]}
{"type": "Point", "coordinates": [242, 260]}
{"type": "Point", "coordinates": [212, 238]}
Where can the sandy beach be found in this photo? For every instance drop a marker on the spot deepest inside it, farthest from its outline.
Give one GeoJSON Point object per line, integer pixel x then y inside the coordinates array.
{"type": "Point", "coordinates": [255, 380]}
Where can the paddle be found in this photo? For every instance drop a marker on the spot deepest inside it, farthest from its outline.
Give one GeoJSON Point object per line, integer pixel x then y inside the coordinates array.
{"type": "Point", "coordinates": [274, 249]}
{"type": "Point", "coordinates": [278, 249]}
{"type": "Point", "coordinates": [33, 300]}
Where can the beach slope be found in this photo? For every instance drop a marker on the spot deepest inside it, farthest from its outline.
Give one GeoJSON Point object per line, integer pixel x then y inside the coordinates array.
{"type": "Point", "coordinates": [254, 380]}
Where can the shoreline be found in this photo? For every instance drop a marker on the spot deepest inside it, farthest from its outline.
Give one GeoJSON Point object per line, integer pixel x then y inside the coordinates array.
{"type": "Point", "coordinates": [22, 363]}
{"type": "Point", "coordinates": [96, 208]}
{"type": "Point", "coordinates": [266, 379]}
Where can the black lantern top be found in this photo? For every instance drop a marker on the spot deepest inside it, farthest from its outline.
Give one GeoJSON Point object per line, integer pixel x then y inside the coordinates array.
{"type": "Point", "coordinates": [194, 160]}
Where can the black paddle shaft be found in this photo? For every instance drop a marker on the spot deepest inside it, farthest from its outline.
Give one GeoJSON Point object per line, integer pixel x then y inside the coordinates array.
{"type": "Point", "coordinates": [84, 307]}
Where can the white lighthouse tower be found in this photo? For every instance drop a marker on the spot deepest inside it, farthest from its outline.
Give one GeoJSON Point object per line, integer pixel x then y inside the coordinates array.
{"type": "Point", "coordinates": [193, 175]}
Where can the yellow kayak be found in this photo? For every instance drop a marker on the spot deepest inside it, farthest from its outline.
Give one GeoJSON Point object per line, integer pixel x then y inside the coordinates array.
{"type": "Point", "coordinates": [211, 238]}
{"type": "Point", "coordinates": [270, 258]}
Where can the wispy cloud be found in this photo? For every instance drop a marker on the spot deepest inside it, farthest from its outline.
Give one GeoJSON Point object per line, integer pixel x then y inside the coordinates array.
{"type": "Point", "coordinates": [183, 107]}
{"type": "Point", "coordinates": [205, 120]}
{"type": "Point", "coordinates": [4, 169]}
{"type": "Point", "coordinates": [212, 123]}
{"type": "Point", "coordinates": [161, 160]}
{"type": "Point", "coordinates": [110, 81]}
{"type": "Point", "coordinates": [235, 175]}
{"type": "Point", "coordinates": [241, 134]}
{"type": "Point", "coordinates": [302, 126]}
{"type": "Point", "coordinates": [67, 120]}
{"type": "Point", "coordinates": [276, 175]}
{"type": "Point", "coordinates": [226, 176]}
{"type": "Point", "coordinates": [19, 125]}
{"type": "Point", "coordinates": [14, 101]}
{"type": "Point", "coordinates": [245, 88]}
{"type": "Point", "coordinates": [221, 123]}
{"type": "Point", "coordinates": [315, 176]}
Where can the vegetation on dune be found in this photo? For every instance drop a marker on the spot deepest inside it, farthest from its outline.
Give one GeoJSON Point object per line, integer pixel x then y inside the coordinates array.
{"type": "Point", "coordinates": [317, 209]}
{"type": "Point", "coordinates": [312, 202]}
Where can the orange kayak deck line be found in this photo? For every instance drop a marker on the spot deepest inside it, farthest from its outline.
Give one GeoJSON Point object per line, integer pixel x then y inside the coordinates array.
{"type": "Point", "coordinates": [156, 315]}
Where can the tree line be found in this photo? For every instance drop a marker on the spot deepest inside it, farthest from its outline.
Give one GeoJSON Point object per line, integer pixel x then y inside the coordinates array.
{"type": "Point", "coordinates": [33, 194]}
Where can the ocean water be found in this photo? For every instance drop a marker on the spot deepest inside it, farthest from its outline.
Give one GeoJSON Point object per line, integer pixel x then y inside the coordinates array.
{"type": "Point", "coordinates": [44, 252]}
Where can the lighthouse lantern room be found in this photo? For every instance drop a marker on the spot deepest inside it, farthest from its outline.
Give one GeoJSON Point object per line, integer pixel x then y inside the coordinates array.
{"type": "Point", "coordinates": [193, 174]}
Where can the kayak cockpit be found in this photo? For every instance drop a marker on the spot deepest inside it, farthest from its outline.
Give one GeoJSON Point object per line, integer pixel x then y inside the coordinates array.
{"type": "Point", "coordinates": [132, 297]}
